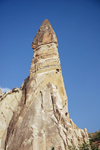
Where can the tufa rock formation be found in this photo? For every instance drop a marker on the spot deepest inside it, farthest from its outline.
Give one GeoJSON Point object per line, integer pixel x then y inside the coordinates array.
{"type": "Point", "coordinates": [35, 117]}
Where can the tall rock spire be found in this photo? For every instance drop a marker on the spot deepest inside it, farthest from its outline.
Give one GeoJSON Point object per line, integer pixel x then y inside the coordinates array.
{"type": "Point", "coordinates": [35, 117]}
{"type": "Point", "coordinates": [46, 63]}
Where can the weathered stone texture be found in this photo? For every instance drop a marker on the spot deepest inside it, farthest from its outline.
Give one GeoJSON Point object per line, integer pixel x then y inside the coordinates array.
{"type": "Point", "coordinates": [35, 117]}
{"type": "Point", "coordinates": [0, 91]}
{"type": "Point", "coordinates": [46, 66]}
{"type": "Point", "coordinates": [44, 125]}
{"type": "Point", "coordinates": [45, 35]}
{"type": "Point", "coordinates": [8, 105]}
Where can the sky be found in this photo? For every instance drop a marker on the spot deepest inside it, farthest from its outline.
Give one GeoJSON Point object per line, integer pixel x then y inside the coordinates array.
{"type": "Point", "coordinates": [77, 26]}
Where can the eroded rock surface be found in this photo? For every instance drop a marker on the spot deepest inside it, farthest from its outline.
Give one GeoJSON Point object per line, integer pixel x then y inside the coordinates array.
{"type": "Point", "coordinates": [45, 35]}
{"type": "Point", "coordinates": [0, 91]}
{"type": "Point", "coordinates": [35, 117]}
{"type": "Point", "coordinates": [9, 103]}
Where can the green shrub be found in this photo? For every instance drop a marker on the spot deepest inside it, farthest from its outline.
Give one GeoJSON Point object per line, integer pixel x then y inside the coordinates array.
{"type": "Point", "coordinates": [84, 146]}
{"type": "Point", "coordinates": [94, 147]}
{"type": "Point", "coordinates": [72, 148]}
{"type": "Point", "coordinates": [96, 137]}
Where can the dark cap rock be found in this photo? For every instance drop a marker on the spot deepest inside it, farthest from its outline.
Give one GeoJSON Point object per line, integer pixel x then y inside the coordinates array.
{"type": "Point", "coordinates": [45, 35]}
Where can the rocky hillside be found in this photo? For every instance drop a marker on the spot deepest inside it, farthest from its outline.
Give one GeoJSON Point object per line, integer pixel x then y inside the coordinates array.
{"type": "Point", "coordinates": [95, 139]}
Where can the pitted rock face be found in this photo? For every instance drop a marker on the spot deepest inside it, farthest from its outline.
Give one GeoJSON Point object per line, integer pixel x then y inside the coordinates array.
{"type": "Point", "coordinates": [45, 35]}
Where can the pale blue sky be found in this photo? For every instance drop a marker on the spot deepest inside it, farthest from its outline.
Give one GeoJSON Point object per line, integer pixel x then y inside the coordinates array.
{"type": "Point", "coordinates": [77, 26]}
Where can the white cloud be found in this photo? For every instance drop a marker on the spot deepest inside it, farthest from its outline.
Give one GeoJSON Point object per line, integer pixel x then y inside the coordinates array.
{"type": "Point", "coordinates": [4, 89]}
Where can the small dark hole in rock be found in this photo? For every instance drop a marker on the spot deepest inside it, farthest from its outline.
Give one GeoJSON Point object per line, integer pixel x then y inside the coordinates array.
{"type": "Point", "coordinates": [57, 70]}
{"type": "Point", "coordinates": [66, 114]}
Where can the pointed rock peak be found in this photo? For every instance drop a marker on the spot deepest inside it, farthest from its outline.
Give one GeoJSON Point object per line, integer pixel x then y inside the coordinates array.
{"type": "Point", "coordinates": [46, 21]}
{"type": "Point", "coordinates": [45, 35]}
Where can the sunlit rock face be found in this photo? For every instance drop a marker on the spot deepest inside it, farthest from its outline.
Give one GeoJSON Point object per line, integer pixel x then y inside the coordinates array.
{"type": "Point", "coordinates": [45, 66]}
{"type": "Point", "coordinates": [0, 91]}
{"type": "Point", "coordinates": [35, 117]}
{"type": "Point", "coordinates": [9, 104]}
